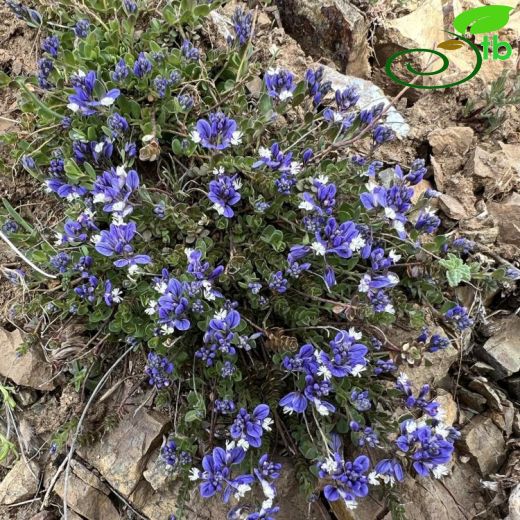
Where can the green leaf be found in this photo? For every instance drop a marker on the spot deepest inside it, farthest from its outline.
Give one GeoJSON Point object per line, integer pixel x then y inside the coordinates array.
{"type": "Point", "coordinates": [487, 18]}
{"type": "Point", "coordinates": [456, 270]}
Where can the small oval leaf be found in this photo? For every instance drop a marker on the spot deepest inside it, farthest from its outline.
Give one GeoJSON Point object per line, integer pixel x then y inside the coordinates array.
{"type": "Point", "coordinates": [485, 19]}
{"type": "Point", "coordinates": [450, 45]}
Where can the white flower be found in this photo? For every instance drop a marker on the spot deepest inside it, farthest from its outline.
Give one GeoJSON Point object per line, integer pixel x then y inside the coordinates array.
{"type": "Point", "coordinates": [264, 152]}
{"type": "Point", "coordinates": [269, 491]}
{"type": "Point", "coordinates": [120, 171]}
{"type": "Point", "coordinates": [195, 137]}
{"type": "Point", "coordinates": [147, 138]}
{"type": "Point", "coordinates": [133, 270]}
{"type": "Point", "coordinates": [95, 239]}
{"type": "Point", "coordinates": [219, 171]}
{"type": "Point", "coordinates": [324, 372]}
{"type": "Point", "coordinates": [194, 474]}
{"type": "Point", "coordinates": [267, 424]}
{"type": "Point", "coordinates": [237, 184]}
{"type": "Point", "coordinates": [398, 226]}
{"type": "Point", "coordinates": [387, 479]}
{"type": "Point", "coordinates": [59, 239]}
{"type": "Point", "coordinates": [72, 196]}
{"type": "Point", "coordinates": [118, 220]}
{"type": "Point", "coordinates": [390, 213]}
{"type": "Point", "coordinates": [323, 179]}
{"type": "Point", "coordinates": [389, 308]}
{"type": "Point", "coordinates": [161, 287]}
{"type": "Point", "coordinates": [106, 101]}
{"type": "Point", "coordinates": [285, 94]}
{"type": "Point", "coordinates": [318, 248]}
{"type": "Point", "coordinates": [99, 147]}
{"type": "Point", "coordinates": [116, 295]}
{"type": "Point", "coordinates": [357, 243]}
{"type": "Point", "coordinates": [373, 478]}
{"type": "Point", "coordinates": [364, 284]}
{"type": "Point", "coordinates": [73, 106]}
{"type": "Point", "coordinates": [236, 138]}
{"type": "Point", "coordinates": [188, 251]}
{"type": "Point", "coordinates": [152, 307]}
{"type": "Point", "coordinates": [241, 490]}
{"type": "Point", "coordinates": [394, 256]}
{"type": "Point", "coordinates": [351, 504]}
{"type": "Point", "coordinates": [394, 279]}
{"type": "Point", "coordinates": [321, 408]}
{"type": "Point", "coordinates": [242, 443]}
{"type": "Point", "coordinates": [296, 167]}
{"type": "Point", "coordinates": [99, 197]}
{"type": "Point", "coordinates": [221, 315]}
{"type": "Point", "coordinates": [354, 333]}
{"type": "Point", "coordinates": [208, 290]}
{"type": "Point", "coordinates": [306, 205]}
{"type": "Point", "coordinates": [219, 208]}
{"type": "Point", "coordinates": [440, 471]}
{"type": "Point", "coordinates": [338, 118]}
{"type": "Point", "coordinates": [329, 465]}
{"type": "Point", "coordinates": [356, 371]}
{"type": "Point", "coordinates": [167, 329]}
{"type": "Point", "coordinates": [119, 206]}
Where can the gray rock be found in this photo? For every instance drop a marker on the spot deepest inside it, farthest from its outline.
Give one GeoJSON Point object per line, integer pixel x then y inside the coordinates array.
{"type": "Point", "coordinates": [483, 441]}
{"type": "Point", "coordinates": [329, 28]}
{"type": "Point", "coordinates": [455, 497]}
{"type": "Point", "coordinates": [85, 499]}
{"type": "Point", "coordinates": [123, 452]}
{"type": "Point", "coordinates": [472, 400]}
{"type": "Point", "coordinates": [513, 385]}
{"type": "Point", "coordinates": [514, 503]}
{"type": "Point", "coordinates": [502, 351]}
{"type": "Point", "coordinates": [21, 483]}
{"type": "Point", "coordinates": [29, 369]}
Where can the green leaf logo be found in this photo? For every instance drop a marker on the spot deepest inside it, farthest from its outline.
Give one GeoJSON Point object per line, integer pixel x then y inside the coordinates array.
{"type": "Point", "coordinates": [487, 18]}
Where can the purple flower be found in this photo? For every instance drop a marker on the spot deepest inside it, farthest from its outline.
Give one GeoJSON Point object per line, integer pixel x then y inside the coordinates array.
{"type": "Point", "coordinates": [160, 84]}
{"type": "Point", "coordinates": [169, 453]}
{"type": "Point", "coordinates": [217, 476]}
{"type": "Point", "coordinates": [51, 44]}
{"type": "Point", "coordinates": [224, 194]}
{"type": "Point", "coordinates": [255, 287]}
{"type": "Point", "coordinates": [463, 245]}
{"type": "Point", "coordinates": [130, 6]}
{"type": "Point", "coordinates": [459, 316]}
{"type": "Point", "coordinates": [427, 447]}
{"type": "Point", "coordinates": [113, 188]}
{"type": "Point", "coordinates": [248, 429]}
{"type": "Point", "coordinates": [242, 24]}
{"type": "Point", "coordinates": [390, 468]}
{"type": "Point", "coordinates": [83, 100]}
{"type": "Point", "coordinates": [438, 342]}
{"type": "Point", "coordinates": [45, 67]}
{"type": "Point", "coordinates": [81, 28]}
{"type": "Point", "coordinates": [218, 132]}
{"type": "Point", "coordinates": [274, 158]}
{"type": "Point", "coordinates": [159, 370]}
{"type": "Point", "coordinates": [382, 134]}
{"type": "Point", "coordinates": [189, 51]}
{"type": "Point", "coordinates": [360, 400]}
{"type": "Point", "coordinates": [417, 172]}
{"type": "Point", "coordinates": [316, 87]}
{"type": "Point", "coordinates": [112, 294]}
{"type": "Point", "coordinates": [31, 16]}
{"type": "Point", "coordinates": [117, 124]}
{"type": "Point", "coordinates": [86, 290]}
{"type": "Point", "coordinates": [295, 269]}
{"type": "Point", "coordinates": [280, 84]}
{"type": "Point", "coordinates": [338, 239]}
{"type": "Point", "coordinates": [60, 262]}
{"type": "Point", "coordinates": [278, 283]}
{"type": "Point", "coordinates": [347, 356]}
{"type": "Point", "coordinates": [430, 407]}
{"type": "Point", "coordinates": [348, 477]}
{"type": "Point", "coordinates": [304, 361]}
{"type": "Point", "coordinates": [173, 307]}
{"type": "Point", "coordinates": [224, 406]}
{"type": "Point", "coordinates": [10, 226]}
{"type": "Point", "coordinates": [142, 66]}
{"type": "Point", "coordinates": [117, 241]}
{"type": "Point", "coordinates": [121, 71]}
{"type": "Point", "coordinates": [347, 98]}
{"type": "Point", "coordinates": [427, 221]}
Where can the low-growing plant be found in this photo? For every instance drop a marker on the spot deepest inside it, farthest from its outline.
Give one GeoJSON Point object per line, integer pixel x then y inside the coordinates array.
{"type": "Point", "coordinates": [236, 240]}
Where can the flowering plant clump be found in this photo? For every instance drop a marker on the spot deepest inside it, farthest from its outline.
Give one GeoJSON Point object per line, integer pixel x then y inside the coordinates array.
{"type": "Point", "coordinates": [238, 243]}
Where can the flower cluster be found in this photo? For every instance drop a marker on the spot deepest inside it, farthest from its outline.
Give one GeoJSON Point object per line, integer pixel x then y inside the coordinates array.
{"type": "Point", "coordinates": [232, 237]}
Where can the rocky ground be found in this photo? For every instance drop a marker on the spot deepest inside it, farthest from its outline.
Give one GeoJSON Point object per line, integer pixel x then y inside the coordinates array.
{"type": "Point", "coordinates": [478, 173]}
